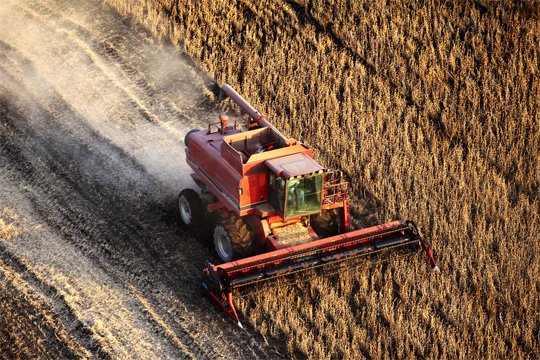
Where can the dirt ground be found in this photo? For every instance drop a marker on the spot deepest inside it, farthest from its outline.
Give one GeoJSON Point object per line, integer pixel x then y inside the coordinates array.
{"type": "Point", "coordinates": [92, 263]}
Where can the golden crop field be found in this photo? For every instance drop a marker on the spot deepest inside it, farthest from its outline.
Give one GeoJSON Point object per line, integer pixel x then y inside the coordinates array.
{"type": "Point", "coordinates": [432, 110]}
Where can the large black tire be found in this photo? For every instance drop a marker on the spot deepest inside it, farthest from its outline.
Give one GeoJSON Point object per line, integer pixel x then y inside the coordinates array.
{"type": "Point", "coordinates": [234, 239]}
{"type": "Point", "coordinates": [327, 223]}
{"type": "Point", "coordinates": [192, 214]}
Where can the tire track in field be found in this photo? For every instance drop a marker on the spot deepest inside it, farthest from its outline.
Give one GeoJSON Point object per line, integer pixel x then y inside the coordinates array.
{"type": "Point", "coordinates": [54, 203]}
{"type": "Point", "coordinates": [55, 195]}
{"type": "Point", "coordinates": [20, 277]}
{"type": "Point", "coordinates": [88, 236]}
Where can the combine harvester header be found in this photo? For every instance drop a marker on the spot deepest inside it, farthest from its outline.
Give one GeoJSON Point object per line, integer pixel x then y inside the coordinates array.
{"type": "Point", "coordinates": [280, 212]}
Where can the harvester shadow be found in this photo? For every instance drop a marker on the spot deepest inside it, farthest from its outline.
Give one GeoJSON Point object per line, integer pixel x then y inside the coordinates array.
{"type": "Point", "coordinates": [365, 209]}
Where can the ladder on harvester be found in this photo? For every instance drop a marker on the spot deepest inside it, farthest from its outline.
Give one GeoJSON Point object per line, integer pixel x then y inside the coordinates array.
{"type": "Point", "coordinates": [335, 190]}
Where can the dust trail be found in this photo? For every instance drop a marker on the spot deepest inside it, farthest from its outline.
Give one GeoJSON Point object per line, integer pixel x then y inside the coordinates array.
{"type": "Point", "coordinates": [142, 98]}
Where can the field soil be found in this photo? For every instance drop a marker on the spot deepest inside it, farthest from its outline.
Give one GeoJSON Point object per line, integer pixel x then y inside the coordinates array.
{"type": "Point", "coordinates": [92, 263]}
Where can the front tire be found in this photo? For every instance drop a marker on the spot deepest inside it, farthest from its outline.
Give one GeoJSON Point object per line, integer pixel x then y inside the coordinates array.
{"type": "Point", "coordinates": [234, 239]}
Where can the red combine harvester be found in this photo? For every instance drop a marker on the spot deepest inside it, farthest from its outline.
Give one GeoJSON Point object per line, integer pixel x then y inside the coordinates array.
{"type": "Point", "coordinates": [280, 211]}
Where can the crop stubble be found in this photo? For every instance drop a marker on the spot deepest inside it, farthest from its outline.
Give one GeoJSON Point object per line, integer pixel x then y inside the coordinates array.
{"type": "Point", "coordinates": [431, 108]}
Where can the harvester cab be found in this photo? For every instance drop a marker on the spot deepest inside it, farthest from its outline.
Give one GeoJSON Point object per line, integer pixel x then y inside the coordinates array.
{"type": "Point", "coordinates": [295, 185]}
{"type": "Point", "coordinates": [280, 212]}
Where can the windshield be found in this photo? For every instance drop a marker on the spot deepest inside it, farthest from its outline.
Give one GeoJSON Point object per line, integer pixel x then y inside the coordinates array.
{"type": "Point", "coordinates": [303, 196]}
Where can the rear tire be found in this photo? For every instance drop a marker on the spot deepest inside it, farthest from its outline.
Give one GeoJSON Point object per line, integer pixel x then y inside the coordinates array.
{"type": "Point", "coordinates": [189, 207]}
{"type": "Point", "coordinates": [234, 239]}
{"type": "Point", "coordinates": [192, 215]}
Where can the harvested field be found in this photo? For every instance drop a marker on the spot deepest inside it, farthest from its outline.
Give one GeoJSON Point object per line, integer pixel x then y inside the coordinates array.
{"type": "Point", "coordinates": [92, 264]}
{"type": "Point", "coordinates": [432, 109]}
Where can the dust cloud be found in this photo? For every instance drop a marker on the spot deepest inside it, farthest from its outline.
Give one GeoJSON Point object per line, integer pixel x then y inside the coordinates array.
{"type": "Point", "coordinates": [83, 67]}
